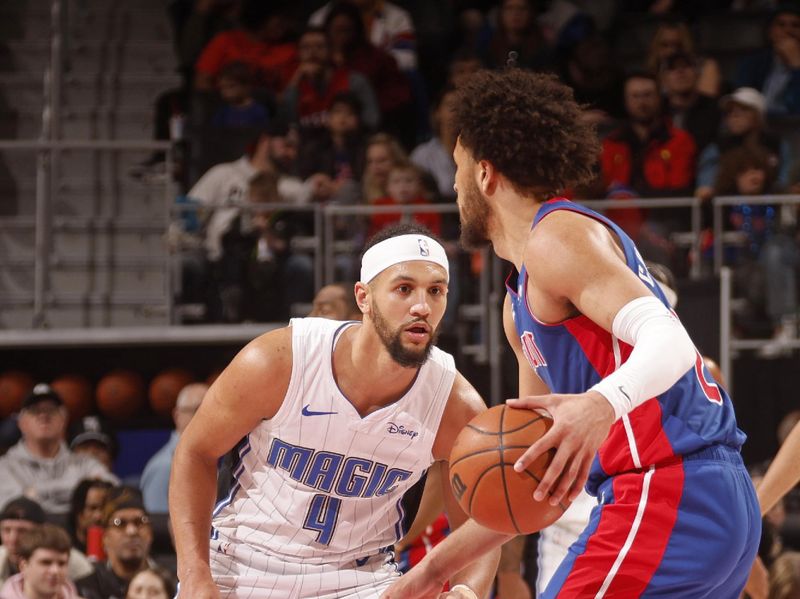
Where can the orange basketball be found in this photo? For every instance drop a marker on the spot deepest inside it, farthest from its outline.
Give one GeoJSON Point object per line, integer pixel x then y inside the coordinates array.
{"type": "Point", "coordinates": [482, 471]}
{"type": "Point", "coordinates": [14, 387]}
{"type": "Point", "coordinates": [164, 389]}
{"type": "Point", "coordinates": [76, 392]}
{"type": "Point", "coordinates": [120, 394]}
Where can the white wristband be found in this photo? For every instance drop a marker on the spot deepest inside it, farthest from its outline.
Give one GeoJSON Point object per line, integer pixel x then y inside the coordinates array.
{"type": "Point", "coordinates": [465, 591]}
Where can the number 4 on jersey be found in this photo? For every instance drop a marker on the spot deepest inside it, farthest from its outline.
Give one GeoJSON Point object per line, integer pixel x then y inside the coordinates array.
{"type": "Point", "coordinates": [322, 516]}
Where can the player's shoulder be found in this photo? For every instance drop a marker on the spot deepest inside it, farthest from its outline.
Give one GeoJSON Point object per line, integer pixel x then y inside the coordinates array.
{"type": "Point", "coordinates": [563, 223]}
{"type": "Point", "coordinates": [562, 235]}
{"type": "Point", "coordinates": [464, 398]}
{"type": "Point", "coordinates": [270, 351]}
{"type": "Point", "coordinates": [311, 326]}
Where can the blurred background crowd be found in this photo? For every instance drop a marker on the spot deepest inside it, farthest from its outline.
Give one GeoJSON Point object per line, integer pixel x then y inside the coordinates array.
{"type": "Point", "coordinates": [275, 113]}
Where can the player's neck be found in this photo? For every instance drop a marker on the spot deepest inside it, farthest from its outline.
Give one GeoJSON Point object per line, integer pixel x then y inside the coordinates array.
{"type": "Point", "coordinates": [366, 373]}
{"type": "Point", "coordinates": [513, 220]}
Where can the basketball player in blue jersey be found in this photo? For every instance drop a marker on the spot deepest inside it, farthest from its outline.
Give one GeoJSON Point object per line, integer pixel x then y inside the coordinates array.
{"type": "Point", "coordinates": [637, 416]}
{"type": "Point", "coordinates": [332, 422]}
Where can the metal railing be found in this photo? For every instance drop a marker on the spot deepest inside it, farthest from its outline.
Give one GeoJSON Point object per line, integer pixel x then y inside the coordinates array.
{"type": "Point", "coordinates": [45, 223]}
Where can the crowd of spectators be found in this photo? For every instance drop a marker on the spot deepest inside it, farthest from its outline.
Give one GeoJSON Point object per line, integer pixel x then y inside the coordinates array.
{"type": "Point", "coordinates": [336, 101]}
{"type": "Point", "coordinates": [291, 105]}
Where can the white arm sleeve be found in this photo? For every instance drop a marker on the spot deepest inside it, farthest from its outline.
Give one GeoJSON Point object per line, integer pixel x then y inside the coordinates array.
{"type": "Point", "coordinates": [662, 353]}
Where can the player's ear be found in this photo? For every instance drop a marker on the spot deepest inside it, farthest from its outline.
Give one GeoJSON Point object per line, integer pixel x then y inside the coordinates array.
{"type": "Point", "coordinates": [362, 294]}
{"type": "Point", "coordinates": [487, 177]}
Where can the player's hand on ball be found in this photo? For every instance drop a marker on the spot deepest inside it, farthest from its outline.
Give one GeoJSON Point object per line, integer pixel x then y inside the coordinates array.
{"type": "Point", "coordinates": [580, 425]}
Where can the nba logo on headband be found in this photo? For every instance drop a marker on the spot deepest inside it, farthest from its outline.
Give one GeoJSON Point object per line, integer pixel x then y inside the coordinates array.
{"type": "Point", "coordinates": [423, 247]}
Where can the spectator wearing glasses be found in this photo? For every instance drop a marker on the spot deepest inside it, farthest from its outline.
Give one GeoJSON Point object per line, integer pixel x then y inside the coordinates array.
{"type": "Point", "coordinates": [41, 466]}
{"type": "Point", "coordinates": [127, 540]}
{"type": "Point", "coordinates": [155, 477]}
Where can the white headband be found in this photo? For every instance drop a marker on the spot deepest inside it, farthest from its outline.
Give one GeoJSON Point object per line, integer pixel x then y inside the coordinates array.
{"type": "Point", "coordinates": [402, 248]}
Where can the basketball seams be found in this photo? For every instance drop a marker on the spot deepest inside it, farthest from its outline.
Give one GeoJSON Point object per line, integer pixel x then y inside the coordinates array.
{"type": "Point", "coordinates": [501, 449]}
{"type": "Point", "coordinates": [538, 480]}
{"type": "Point", "coordinates": [509, 431]}
{"type": "Point", "coordinates": [483, 451]}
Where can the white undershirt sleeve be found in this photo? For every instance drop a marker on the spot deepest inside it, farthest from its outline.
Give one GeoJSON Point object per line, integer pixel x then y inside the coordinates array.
{"type": "Point", "coordinates": [662, 354]}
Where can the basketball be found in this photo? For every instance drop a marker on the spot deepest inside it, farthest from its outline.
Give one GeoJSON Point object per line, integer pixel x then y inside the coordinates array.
{"type": "Point", "coordinates": [482, 471]}
{"type": "Point", "coordinates": [76, 393]}
{"type": "Point", "coordinates": [14, 387]}
{"type": "Point", "coordinates": [164, 389]}
{"type": "Point", "coordinates": [120, 394]}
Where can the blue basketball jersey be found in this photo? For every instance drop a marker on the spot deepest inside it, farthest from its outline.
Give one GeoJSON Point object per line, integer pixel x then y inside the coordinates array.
{"type": "Point", "coordinates": [573, 355]}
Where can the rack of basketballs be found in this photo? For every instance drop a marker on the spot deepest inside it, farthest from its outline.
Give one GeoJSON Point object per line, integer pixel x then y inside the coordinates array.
{"type": "Point", "coordinates": [119, 395]}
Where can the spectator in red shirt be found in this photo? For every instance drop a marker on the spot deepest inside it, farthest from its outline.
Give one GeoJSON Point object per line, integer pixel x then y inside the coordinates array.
{"type": "Point", "coordinates": [649, 157]}
{"type": "Point", "coordinates": [647, 153]}
{"type": "Point", "coordinates": [404, 187]}
{"type": "Point", "coordinates": [317, 81]}
{"type": "Point", "coordinates": [261, 42]}
{"type": "Point", "coordinates": [350, 48]}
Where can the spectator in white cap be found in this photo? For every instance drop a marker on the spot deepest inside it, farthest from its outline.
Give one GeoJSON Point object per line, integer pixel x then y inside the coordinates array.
{"type": "Point", "coordinates": [744, 112]}
{"type": "Point", "coordinates": [41, 466]}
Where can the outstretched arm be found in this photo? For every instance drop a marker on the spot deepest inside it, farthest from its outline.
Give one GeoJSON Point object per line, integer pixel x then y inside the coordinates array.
{"type": "Point", "coordinates": [235, 404]}
{"type": "Point", "coordinates": [783, 473]}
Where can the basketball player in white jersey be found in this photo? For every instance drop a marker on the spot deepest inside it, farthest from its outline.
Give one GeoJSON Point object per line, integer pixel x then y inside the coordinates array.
{"type": "Point", "coordinates": [332, 422]}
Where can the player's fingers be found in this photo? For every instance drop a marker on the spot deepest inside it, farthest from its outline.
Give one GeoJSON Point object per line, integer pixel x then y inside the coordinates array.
{"type": "Point", "coordinates": [580, 479]}
{"type": "Point", "coordinates": [566, 482]}
{"type": "Point", "coordinates": [553, 473]}
{"type": "Point", "coordinates": [530, 402]}
{"type": "Point", "coordinates": [548, 441]}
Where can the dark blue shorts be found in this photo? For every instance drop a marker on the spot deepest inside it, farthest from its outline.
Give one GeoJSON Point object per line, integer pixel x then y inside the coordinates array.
{"type": "Point", "coordinates": [689, 529]}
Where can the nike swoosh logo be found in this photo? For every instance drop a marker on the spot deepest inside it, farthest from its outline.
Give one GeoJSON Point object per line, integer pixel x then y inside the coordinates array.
{"type": "Point", "coordinates": [307, 412]}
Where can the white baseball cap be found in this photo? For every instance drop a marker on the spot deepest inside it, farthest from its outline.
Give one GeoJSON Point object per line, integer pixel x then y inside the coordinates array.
{"type": "Point", "coordinates": [746, 96]}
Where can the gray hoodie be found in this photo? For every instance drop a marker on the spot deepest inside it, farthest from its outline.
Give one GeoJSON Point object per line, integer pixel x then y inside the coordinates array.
{"type": "Point", "coordinates": [48, 481]}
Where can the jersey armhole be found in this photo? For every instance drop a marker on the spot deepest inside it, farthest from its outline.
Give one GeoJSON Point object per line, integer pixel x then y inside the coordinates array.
{"type": "Point", "coordinates": [295, 377]}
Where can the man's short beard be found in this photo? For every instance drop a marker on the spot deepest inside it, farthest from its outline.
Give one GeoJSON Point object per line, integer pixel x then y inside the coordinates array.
{"type": "Point", "coordinates": [475, 212]}
{"type": "Point", "coordinates": [392, 341]}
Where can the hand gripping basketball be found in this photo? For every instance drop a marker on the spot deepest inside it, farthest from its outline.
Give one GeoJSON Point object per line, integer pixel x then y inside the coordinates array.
{"type": "Point", "coordinates": [482, 471]}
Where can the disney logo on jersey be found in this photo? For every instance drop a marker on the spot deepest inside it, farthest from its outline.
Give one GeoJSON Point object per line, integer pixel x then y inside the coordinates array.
{"type": "Point", "coordinates": [399, 429]}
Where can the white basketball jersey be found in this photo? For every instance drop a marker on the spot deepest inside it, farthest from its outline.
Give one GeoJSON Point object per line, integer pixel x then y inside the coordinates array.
{"type": "Point", "coordinates": [320, 484]}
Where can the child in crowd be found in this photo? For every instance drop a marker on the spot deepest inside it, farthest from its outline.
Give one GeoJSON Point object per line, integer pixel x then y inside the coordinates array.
{"type": "Point", "coordinates": [332, 163]}
{"type": "Point", "coordinates": [404, 187]}
{"type": "Point", "coordinates": [240, 108]}
{"type": "Point", "coordinates": [151, 583]}
{"type": "Point", "coordinates": [258, 277]}
{"type": "Point", "coordinates": [770, 256]}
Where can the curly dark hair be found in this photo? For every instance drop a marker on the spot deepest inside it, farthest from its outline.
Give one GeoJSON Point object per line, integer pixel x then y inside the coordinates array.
{"type": "Point", "coordinates": [529, 127]}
